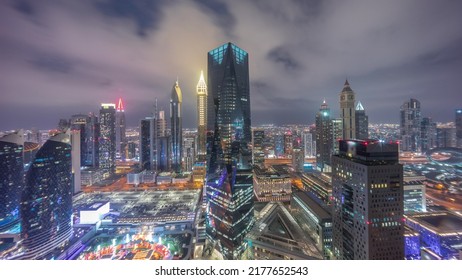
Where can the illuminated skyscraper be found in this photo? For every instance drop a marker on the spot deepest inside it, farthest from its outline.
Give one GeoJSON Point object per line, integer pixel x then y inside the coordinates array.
{"type": "Point", "coordinates": [324, 138]}
{"type": "Point", "coordinates": [121, 140]}
{"type": "Point", "coordinates": [347, 111]}
{"type": "Point", "coordinates": [189, 152]}
{"type": "Point", "coordinates": [288, 143]}
{"type": "Point", "coordinates": [337, 134]}
{"type": "Point", "coordinates": [229, 178]}
{"type": "Point", "coordinates": [410, 126]}
{"type": "Point", "coordinates": [11, 178]}
{"type": "Point", "coordinates": [459, 127]}
{"type": "Point", "coordinates": [75, 138]}
{"type": "Point", "coordinates": [367, 189]}
{"type": "Point", "coordinates": [176, 127]}
{"type": "Point", "coordinates": [428, 135]}
{"type": "Point", "coordinates": [148, 144]}
{"type": "Point", "coordinates": [46, 204]}
{"type": "Point", "coordinates": [258, 154]}
{"type": "Point", "coordinates": [201, 118]}
{"type": "Point", "coordinates": [362, 122]}
{"type": "Point", "coordinates": [107, 145]}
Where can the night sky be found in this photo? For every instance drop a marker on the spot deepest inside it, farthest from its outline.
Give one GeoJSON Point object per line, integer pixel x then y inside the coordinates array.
{"type": "Point", "coordinates": [59, 58]}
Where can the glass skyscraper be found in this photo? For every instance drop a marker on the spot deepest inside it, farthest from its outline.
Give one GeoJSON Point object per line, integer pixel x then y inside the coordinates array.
{"type": "Point", "coordinates": [46, 203]}
{"type": "Point", "coordinates": [121, 139]}
{"type": "Point", "coordinates": [229, 174]}
{"type": "Point", "coordinates": [410, 126]}
{"type": "Point", "coordinates": [324, 138]}
{"type": "Point", "coordinates": [11, 178]}
{"type": "Point", "coordinates": [176, 127]}
{"type": "Point", "coordinates": [107, 143]}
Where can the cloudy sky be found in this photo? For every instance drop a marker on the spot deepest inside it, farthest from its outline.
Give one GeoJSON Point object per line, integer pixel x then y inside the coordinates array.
{"type": "Point", "coordinates": [59, 58]}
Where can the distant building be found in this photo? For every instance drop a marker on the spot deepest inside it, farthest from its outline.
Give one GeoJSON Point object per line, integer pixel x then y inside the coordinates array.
{"type": "Point", "coordinates": [189, 152]}
{"type": "Point", "coordinates": [74, 136]}
{"type": "Point", "coordinates": [11, 178]}
{"type": "Point", "coordinates": [337, 134]}
{"type": "Point", "coordinates": [163, 153]}
{"type": "Point", "coordinates": [410, 126]}
{"type": "Point", "coordinates": [271, 184]}
{"type": "Point", "coordinates": [414, 194]}
{"type": "Point", "coordinates": [201, 90]}
{"type": "Point", "coordinates": [279, 145]}
{"type": "Point", "coordinates": [362, 122]}
{"type": "Point", "coordinates": [347, 111]}
{"type": "Point", "coordinates": [309, 142]}
{"type": "Point", "coordinates": [176, 128]}
{"type": "Point", "coordinates": [89, 138]}
{"type": "Point", "coordinates": [446, 137]}
{"type": "Point", "coordinates": [121, 139]}
{"type": "Point", "coordinates": [288, 143]}
{"type": "Point", "coordinates": [148, 144]}
{"type": "Point", "coordinates": [318, 187]}
{"type": "Point", "coordinates": [46, 206]}
{"type": "Point", "coordinates": [324, 138]}
{"type": "Point", "coordinates": [258, 153]}
{"type": "Point", "coordinates": [458, 122]}
{"type": "Point", "coordinates": [428, 136]}
{"type": "Point", "coordinates": [367, 213]}
{"type": "Point", "coordinates": [107, 145]}
{"type": "Point", "coordinates": [298, 159]}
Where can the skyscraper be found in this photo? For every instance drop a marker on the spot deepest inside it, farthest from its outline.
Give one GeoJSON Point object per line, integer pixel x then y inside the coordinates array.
{"type": "Point", "coordinates": [148, 143]}
{"type": "Point", "coordinates": [107, 145]}
{"type": "Point", "coordinates": [11, 178]}
{"type": "Point", "coordinates": [324, 138]}
{"type": "Point", "coordinates": [347, 111]}
{"type": "Point", "coordinates": [75, 138]}
{"type": "Point", "coordinates": [288, 143]}
{"type": "Point", "coordinates": [46, 204]}
{"type": "Point", "coordinates": [201, 118]}
{"type": "Point", "coordinates": [121, 140]}
{"type": "Point", "coordinates": [362, 122]}
{"type": "Point", "coordinates": [298, 159]}
{"type": "Point", "coordinates": [162, 144]}
{"type": "Point", "coordinates": [189, 152]}
{"type": "Point", "coordinates": [258, 154]}
{"type": "Point", "coordinates": [367, 214]}
{"type": "Point", "coordinates": [229, 178]}
{"type": "Point", "coordinates": [410, 126]}
{"type": "Point", "coordinates": [309, 144]}
{"type": "Point", "coordinates": [337, 134]}
{"type": "Point", "coordinates": [176, 127]}
{"type": "Point", "coordinates": [428, 136]}
{"type": "Point", "coordinates": [459, 127]}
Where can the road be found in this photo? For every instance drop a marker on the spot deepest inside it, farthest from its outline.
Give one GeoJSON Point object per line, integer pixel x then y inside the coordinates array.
{"type": "Point", "coordinates": [441, 198]}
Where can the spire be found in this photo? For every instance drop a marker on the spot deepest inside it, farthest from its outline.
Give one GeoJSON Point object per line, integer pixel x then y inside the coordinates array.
{"type": "Point", "coordinates": [346, 82]}
{"type": "Point", "coordinates": [120, 106]}
{"type": "Point", "coordinates": [359, 106]}
{"type": "Point", "coordinates": [346, 86]}
{"type": "Point", "coordinates": [201, 85]}
{"type": "Point", "coordinates": [176, 92]}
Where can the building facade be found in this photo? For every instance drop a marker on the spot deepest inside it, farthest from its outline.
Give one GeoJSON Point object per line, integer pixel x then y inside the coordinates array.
{"type": "Point", "coordinates": [201, 90]}
{"type": "Point", "coordinates": [324, 138]}
{"type": "Point", "coordinates": [258, 153]}
{"type": "Point", "coordinates": [176, 128]}
{"type": "Point", "coordinates": [362, 122]}
{"type": "Point", "coordinates": [410, 126]}
{"type": "Point", "coordinates": [107, 145]}
{"type": "Point", "coordinates": [121, 139]}
{"type": "Point", "coordinates": [347, 111]}
{"type": "Point", "coordinates": [148, 132]}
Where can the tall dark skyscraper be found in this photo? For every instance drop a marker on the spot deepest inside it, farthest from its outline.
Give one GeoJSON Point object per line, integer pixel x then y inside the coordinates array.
{"type": "Point", "coordinates": [148, 143]}
{"type": "Point", "coordinates": [459, 127]}
{"type": "Point", "coordinates": [347, 111]}
{"type": "Point", "coordinates": [176, 127]}
{"type": "Point", "coordinates": [107, 145]}
{"type": "Point", "coordinates": [258, 154]}
{"type": "Point", "coordinates": [229, 176]}
{"type": "Point", "coordinates": [11, 178]}
{"type": "Point", "coordinates": [428, 135]}
{"type": "Point", "coordinates": [324, 140]}
{"type": "Point", "coordinates": [121, 140]}
{"type": "Point", "coordinates": [46, 203]}
{"type": "Point", "coordinates": [362, 122]}
{"type": "Point", "coordinates": [410, 126]}
{"type": "Point", "coordinates": [367, 189]}
{"type": "Point", "coordinates": [89, 133]}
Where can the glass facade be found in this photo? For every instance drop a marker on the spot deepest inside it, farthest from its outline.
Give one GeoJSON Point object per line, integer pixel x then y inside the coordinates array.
{"type": "Point", "coordinates": [410, 126]}
{"type": "Point", "coordinates": [46, 204]}
{"type": "Point", "coordinates": [147, 144]}
{"type": "Point", "coordinates": [11, 178]}
{"type": "Point", "coordinates": [229, 175]}
{"type": "Point", "coordinates": [324, 139]}
{"type": "Point", "coordinates": [107, 144]}
{"type": "Point", "coordinates": [176, 128]}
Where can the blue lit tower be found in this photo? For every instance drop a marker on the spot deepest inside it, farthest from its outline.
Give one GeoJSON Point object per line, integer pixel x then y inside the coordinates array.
{"type": "Point", "coordinates": [46, 203]}
{"type": "Point", "coordinates": [107, 143]}
{"type": "Point", "coordinates": [324, 138]}
{"type": "Point", "coordinates": [11, 178]}
{"type": "Point", "coordinates": [229, 174]}
{"type": "Point", "coordinates": [176, 127]}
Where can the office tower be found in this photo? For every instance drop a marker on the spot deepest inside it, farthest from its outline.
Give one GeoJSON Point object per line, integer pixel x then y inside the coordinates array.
{"type": "Point", "coordinates": [176, 127]}
{"type": "Point", "coordinates": [75, 138]}
{"type": "Point", "coordinates": [428, 135]}
{"type": "Point", "coordinates": [46, 204]}
{"type": "Point", "coordinates": [258, 153]}
{"type": "Point", "coordinates": [89, 134]}
{"type": "Point", "coordinates": [201, 90]}
{"type": "Point", "coordinates": [229, 178]}
{"type": "Point", "coordinates": [131, 150]}
{"type": "Point", "coordinates": [347, 111]}
{"type": "Point", "coordinates": [459, 127]}
{"type": "Point", "coordinates": [367, 183]}
{"type": "Point", "coordinates": [107, 147]}
{"type": "Point", "coordinates": [163, 153]}
{"type": "Point", "coordinates": [161, 124]}
{"type": "Point", "coordinates": [362, 122]}
{"type": "Point", "coordinates": [189, 152]}
{"type": "Point", "coordinates": [79, 123]}
{"type": "Point", "coordinates": [121, 140]}
{"type": "Point", "coordinates": [11, 178]}
{"type": "Point", "coordinates": [324, 138]}
{"type": "Point", "coordinates": [288, 143]}
{"type": "Point", "coordinates": [410, 126]}
{"type": "Point", "coordinates": [446, 137]}
{"type": "Point", "coordinates": [298, 159]}
{"type": "Point", "coordinates": [148, 144]}
{"type": "Point", "coordinates": [337, 134]}
{"type": "Point", "coordinates": [309, 144]}
{"type": "Point", "coordinates": [279, 145]}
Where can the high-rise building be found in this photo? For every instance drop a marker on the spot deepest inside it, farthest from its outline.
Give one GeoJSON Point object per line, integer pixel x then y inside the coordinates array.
{"type": "Point", "coordinates": [161, 124]}
{"type": "Point", "coordinates": [298, 159]}
{"type": "Point", "coordinates": [428, 135]}
{"type": "Point", "coordinates": [92, 132]}
{"type": "Point", "coordinates": [148, 144]}
{"type": "Point", "coordinates": [163, 147]}
{"type": "Point", "coordinates": [230, 177]}
{"type": "Point", "coordinates": [337, 134]}
{"type": "Point", "coordinates": [121, 139]}
{"type": "Point", "coordinates": [446, 137]}
{"type": "Point", "coordinates": [176, 127]}
{"type": "Point", "coordinates": [75, 138]}
{"type": "Point", "coordinates": [279, 145]}
{"type": "Point", "coordinates": [288, 143]}
{"type": "Point", "coordinates": [189, 152]}
{"type": "Point", "coordinates": [201, 118]}
{"type": "Point", "coordinates": [362, 122]}
{"type": "Point", "coordinates": [107, 145]}
{"type": "Point", "coordinates": [410, 126]}
{"type": "Point", "coordinates": [258, 153]}
{"type": "Point", "coordinates": [11, 178]}
{"type": "Point", "coordinates": [347, 111]}
{"type": "Point", "coordinates": [367, 183]}
{"type": "Point", "coordinates": [309, 144]}
{"type": "Point", "coordinates": [459, 127]}
{"type": "Point", "coordinates": [46, 204]}
{"type": "Point", "coordinates": [324, 138]}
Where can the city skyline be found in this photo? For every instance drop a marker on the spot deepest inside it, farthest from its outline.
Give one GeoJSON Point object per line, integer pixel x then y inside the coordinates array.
{"type": "Point", "coordinates": [389, 55]}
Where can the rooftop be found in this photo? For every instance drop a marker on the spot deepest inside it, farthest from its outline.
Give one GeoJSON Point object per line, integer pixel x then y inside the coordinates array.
{"type": "Point", "coordinates": [440, 222]}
